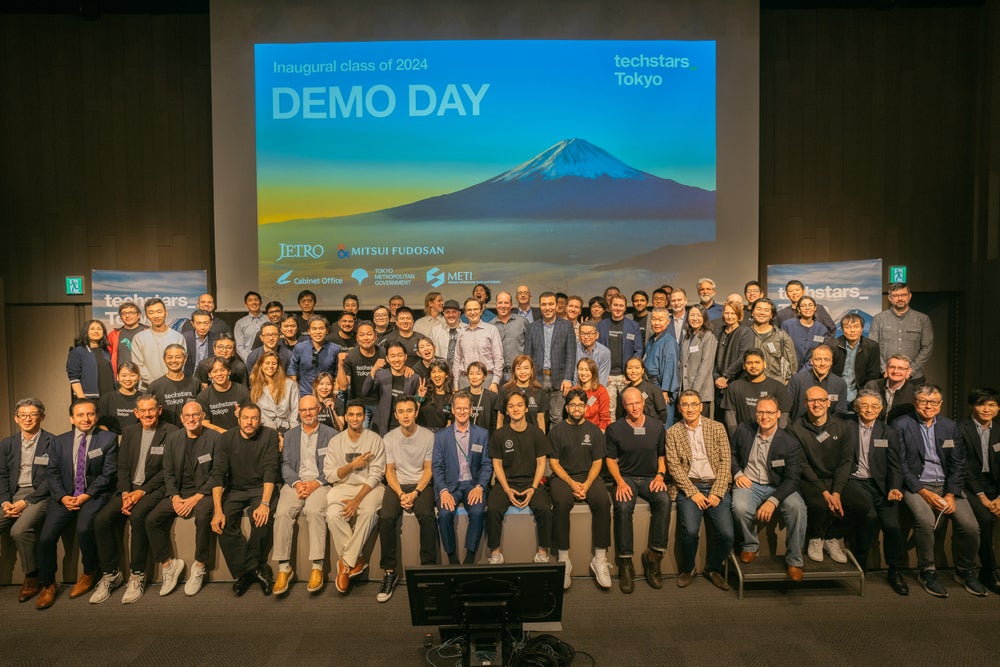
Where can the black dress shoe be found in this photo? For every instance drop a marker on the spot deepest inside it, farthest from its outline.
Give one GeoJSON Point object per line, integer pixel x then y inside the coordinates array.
{"type": "Point", "coordinates": [992, 585]}
{"type": "Point", "coordinates": [266, 578]}
{"type": "Point", "coordinates": [244, 582]}
{"type": "Point", "coordinates": [897, 583]}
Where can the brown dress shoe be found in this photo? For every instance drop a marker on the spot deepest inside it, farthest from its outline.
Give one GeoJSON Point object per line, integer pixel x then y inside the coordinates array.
{"type": "Point", "coordinates": [82, 585]}
{"type": "Point", "coordinates": [28, 590]}
{"type": "Point", "coordinates": [358, 568]}
{"type": "Point", "coordinates": [794, 573]}
{"type": "Point", "coordinates": [748, 556]}
{"type": "Point", "coordinates": [46, 597]}
{"type": "Point", "coordinates": [343, 580]}
{"type": "Point", "coordinates": [651, 567]}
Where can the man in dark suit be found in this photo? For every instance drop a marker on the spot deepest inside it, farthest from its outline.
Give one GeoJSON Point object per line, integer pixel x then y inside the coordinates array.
{"type": "Point", "coordinates": [140, 489]}
{"type": "Point", "coordinates": [304, 490]}
{"type": "Point", "coordinates": [767, 466]}
{"type": "Point", "coordinates": [457, 484]}
{"type": "Point", "coordinates": [524, 307]}
{"type": "Point", "coordinates": [933, 465]}
{"type": "Point", "coordinates": [876, 472]}
{"type": "Point", "coordinates": [554, 355]}
{"type": "Point", "coordinates": [864, 352]}
{"type": "Point", "coordinates": [388, 384]}
{"type": "Point", "coordinates": [81, 475]}
{"type": "Point", "coordinates": [981, 435]}
{"type": "Point", "coordinates": [187, 488]}
{"type": "Point", "coordinates": [24, 487]}
{"type": "Point", "coordinates": [199, 339]}
{"type": "Point", "coordinates": [895, 388]}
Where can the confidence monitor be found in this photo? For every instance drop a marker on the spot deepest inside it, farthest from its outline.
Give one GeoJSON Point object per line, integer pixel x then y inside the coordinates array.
{"type": "Point", "coordinates": [484, 603]}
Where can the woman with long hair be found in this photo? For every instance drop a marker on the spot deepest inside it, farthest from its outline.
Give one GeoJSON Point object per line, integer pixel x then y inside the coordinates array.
{"type": "Point", "coordinates": [805, 331]}
{"type": "Point", "coordinates": [652, 396]}
{"type": "Point", "coordinates": [275, 393]}
{"type": "Point", "coordinates": [485, 403]}
{"type": "Point", "coordinates": [435, 409]}
{"type": "Point", "coordinates": [698, 357]}
{"type": "Point", "coordinates": [330, 406]}
{"type": "Point", "coordinates": [734, 339]}
{"type": "Point", "coordinates": [116, 409]}
{"type": "Point", "coordinates": [88, 365]}
{"type": "Point", "coordinates": [598, 410]}
{"type": "Point", "coordinates": [524, 381]}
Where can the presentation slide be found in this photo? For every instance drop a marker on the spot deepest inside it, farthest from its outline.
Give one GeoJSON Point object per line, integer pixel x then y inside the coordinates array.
{"type": "Point", "coordinates": [400, 167]}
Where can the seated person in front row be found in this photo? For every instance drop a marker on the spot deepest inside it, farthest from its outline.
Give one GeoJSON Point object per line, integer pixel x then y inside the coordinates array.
{"type": "Point", "coordinates": [766, 468]}
{"type": "Point", "coordinates": [462, 471]}
{"type": "Point", "coordinates": [981, 434]}
{"type": "Point", "coordinates": [518, 450]}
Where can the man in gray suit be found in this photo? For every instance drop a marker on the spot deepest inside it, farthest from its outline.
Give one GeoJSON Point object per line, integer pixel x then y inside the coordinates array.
{"type": "Point", "coordinates": [551, 344]}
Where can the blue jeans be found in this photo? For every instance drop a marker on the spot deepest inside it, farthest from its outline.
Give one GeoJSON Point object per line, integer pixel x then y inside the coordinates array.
{"type": "Point", "coordinates": [793, 509]}
{"type": "Point", "coordinates": [446, 519]}
{"type": "Point", "coordinates": [721, 519]}
{"type": "Point", "coordinates": [659, 520]}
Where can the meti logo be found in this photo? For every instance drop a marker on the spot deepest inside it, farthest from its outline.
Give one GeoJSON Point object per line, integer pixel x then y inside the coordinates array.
{"type": "Point", "coordinates": [343, 253]}
{"type": "Point", "coordinates": [435, 277]}
{"type": "Point", "coordinates": [283, 278]}
{"type": "Point", "coordinates": [359, 274]}
{"type": "Point", "coordinates": [299, 251]}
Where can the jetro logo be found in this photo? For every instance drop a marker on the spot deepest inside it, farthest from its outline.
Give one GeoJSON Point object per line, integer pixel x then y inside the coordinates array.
{"type": "Point", "coordinates": [435, 277]}
{"type": "Point", "coordinates": [300, 251]}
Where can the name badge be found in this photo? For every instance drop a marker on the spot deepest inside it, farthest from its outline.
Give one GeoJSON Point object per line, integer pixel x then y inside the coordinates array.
{"type": "Point", "coordinates": [817, 339]}
{"type": "Point", "coordinates": [996, 448]}
{"type": "Point", "coordinates": [764, 394]}
{"type": "Point", "coordinates": [156, 451]}
{"type": "Point", "coordinates": [771, 348]}
{"type": "Point", "coordinates": [629, 336]}
{"type": "Point", "coordinates": [778, 463]}
{"type": "Point", "coordinates": [822, 436]}
{"type": "Point", "coordinates": [591, 400]}
{"type": "Point", "coordinates": [204, 458]}
{"type": "Point", "coordinates": [879, 442]}
{"type": "Point", "coordinates": [478, 449]}
{"type": "Point", "coordinates": [834, 397]}
{"type": "Point", "coordinates": [322, 451]}
{"type": "Point", "coordinates": [44, 460]}
{"type": "Point", "coordinates": [645, 396]}
{"type": "Point", "coordinates": [948, 444]}
{"type": "Point", "coordinates": [639, 430]}
{"type": "Point", "coordinates": [693, 348]}
{"type": "Point", "coordinates": [95, 453]}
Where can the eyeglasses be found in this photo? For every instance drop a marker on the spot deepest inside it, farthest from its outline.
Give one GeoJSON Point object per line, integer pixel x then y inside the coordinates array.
{"type": "Point", "coordinates": [767, 413]}
{"type": "Point", "coordinates": [929, 402]}
{"type": "Point", "coordinates": [816, 401]}
{"type": "Point", "coordinates": [29, 415]}
{"type": "Point", "coordinates": [576, 404]}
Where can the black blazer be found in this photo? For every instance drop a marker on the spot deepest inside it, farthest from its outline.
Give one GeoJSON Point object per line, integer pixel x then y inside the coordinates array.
{"type": "Point", "coordinates": [190, 338]}
{"type": "Point", "coordinates": [883, 459]}
{"type": "Point", "coordinates": [174, 471]}
{"type": "Point", "coordinates": [382, 382]}
{"type": "Point", "coordinates": [128, 458]}
{"type": "Point", "coordinates": [950, 451]}
{"type": "Point", "coordinates": [867, 360]}
{"type": "Point", "coordinates": [902, 402]}
{"type": "Point", "coordinates": [977, 481]}
{"type": "Point", "coordinates": [785, 451]}
{"type": "Point", "coordinates": [102, 462]}
{"type": "Point", "coordinates": [10, 467]}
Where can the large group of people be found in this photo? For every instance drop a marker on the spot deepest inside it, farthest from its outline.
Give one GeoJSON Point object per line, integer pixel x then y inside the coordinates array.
{"type": "Point", "coordinates": [729, 411]}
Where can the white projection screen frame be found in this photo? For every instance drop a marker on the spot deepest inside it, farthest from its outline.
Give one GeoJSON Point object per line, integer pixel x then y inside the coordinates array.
{"type": "Point", "coordinates": [236, 27]}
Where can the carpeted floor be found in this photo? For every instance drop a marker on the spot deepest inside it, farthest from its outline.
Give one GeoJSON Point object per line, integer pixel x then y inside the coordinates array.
{"type": "Point", "coordinates": [781, 624]}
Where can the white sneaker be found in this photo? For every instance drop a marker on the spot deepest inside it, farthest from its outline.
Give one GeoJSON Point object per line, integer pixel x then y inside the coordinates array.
{"type": "Point", "coordinates": [541, 558]}
{"type": "Point", "coordinates": [134, 589]}
{"type": "Point", "coordinates": [835, 550]}
{"type": "Point", "coordinates": [602, 572]}
{"type": "Point", "coordinates": [108, 583]}
{"type": "Point", "coordinates": [196, 579]}
{"type": "Point", "coordinates": [566, 578]}
{"type": "Point", "coordinates": [171, 574]}
{"type": "Point", "coordinates": [496, 559]}
{"type": "Point", "coordinates": [815, 550]}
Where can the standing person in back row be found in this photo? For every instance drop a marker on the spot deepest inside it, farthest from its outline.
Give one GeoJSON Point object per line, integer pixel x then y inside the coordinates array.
{"type": "Point", "coordinates": [149, 346]}
{"type": "Point", "coordinates": [902, 330]}
{"type": "Point", "coordinates": [551, 344]}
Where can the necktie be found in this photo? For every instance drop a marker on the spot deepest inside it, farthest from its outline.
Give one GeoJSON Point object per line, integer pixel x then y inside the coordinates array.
{"type": "Point", "coordinates": [81, 466]}
{"type": "Point", "coordinates": [452, 336]}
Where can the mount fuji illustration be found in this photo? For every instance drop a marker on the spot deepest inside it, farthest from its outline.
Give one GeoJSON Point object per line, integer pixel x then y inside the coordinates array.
{"type": "Point", "coordinates": [571, 180]}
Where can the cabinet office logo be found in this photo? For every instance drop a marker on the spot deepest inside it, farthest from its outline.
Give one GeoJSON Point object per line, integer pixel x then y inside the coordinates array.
{"type": "Point", "coordinates": [300, 251]}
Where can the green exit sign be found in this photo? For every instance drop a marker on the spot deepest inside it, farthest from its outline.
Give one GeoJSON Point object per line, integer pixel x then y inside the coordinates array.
{"type": "Point", "coordinates": [74, 285]}
{"type": "Point", "coordinates": [897, 274]}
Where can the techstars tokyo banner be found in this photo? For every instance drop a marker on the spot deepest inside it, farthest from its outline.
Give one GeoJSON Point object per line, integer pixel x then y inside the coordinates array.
{"type": "Point", "coordinates": [401, 167]}
{"type": "Point", "coordinates": [840, 287]}
{"type": "Point", "coordinates": [178, 289]}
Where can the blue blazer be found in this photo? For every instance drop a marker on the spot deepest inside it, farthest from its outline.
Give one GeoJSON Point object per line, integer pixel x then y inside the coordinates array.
{"type": "Point", "coordinates": [191, 339]}
{"type": "Point", "coordinates": [785, 451]}
{"type": "Point", "coordinates": [10, 467]}
{"type": "Point", "coordinates": [102, 462]}
{"type": "Point", "coordinates": [444, 459]}
{"type": "Point", "coordinates": [81, 366]}
{"type": "Point", "coordinates": [631, 347]}
{"type": "Point", "coordinates": [291, 452]}
{"type": "Point", "coordinates": [562, 354]}
{"type": "Point", "coordinates": [950, 450]}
